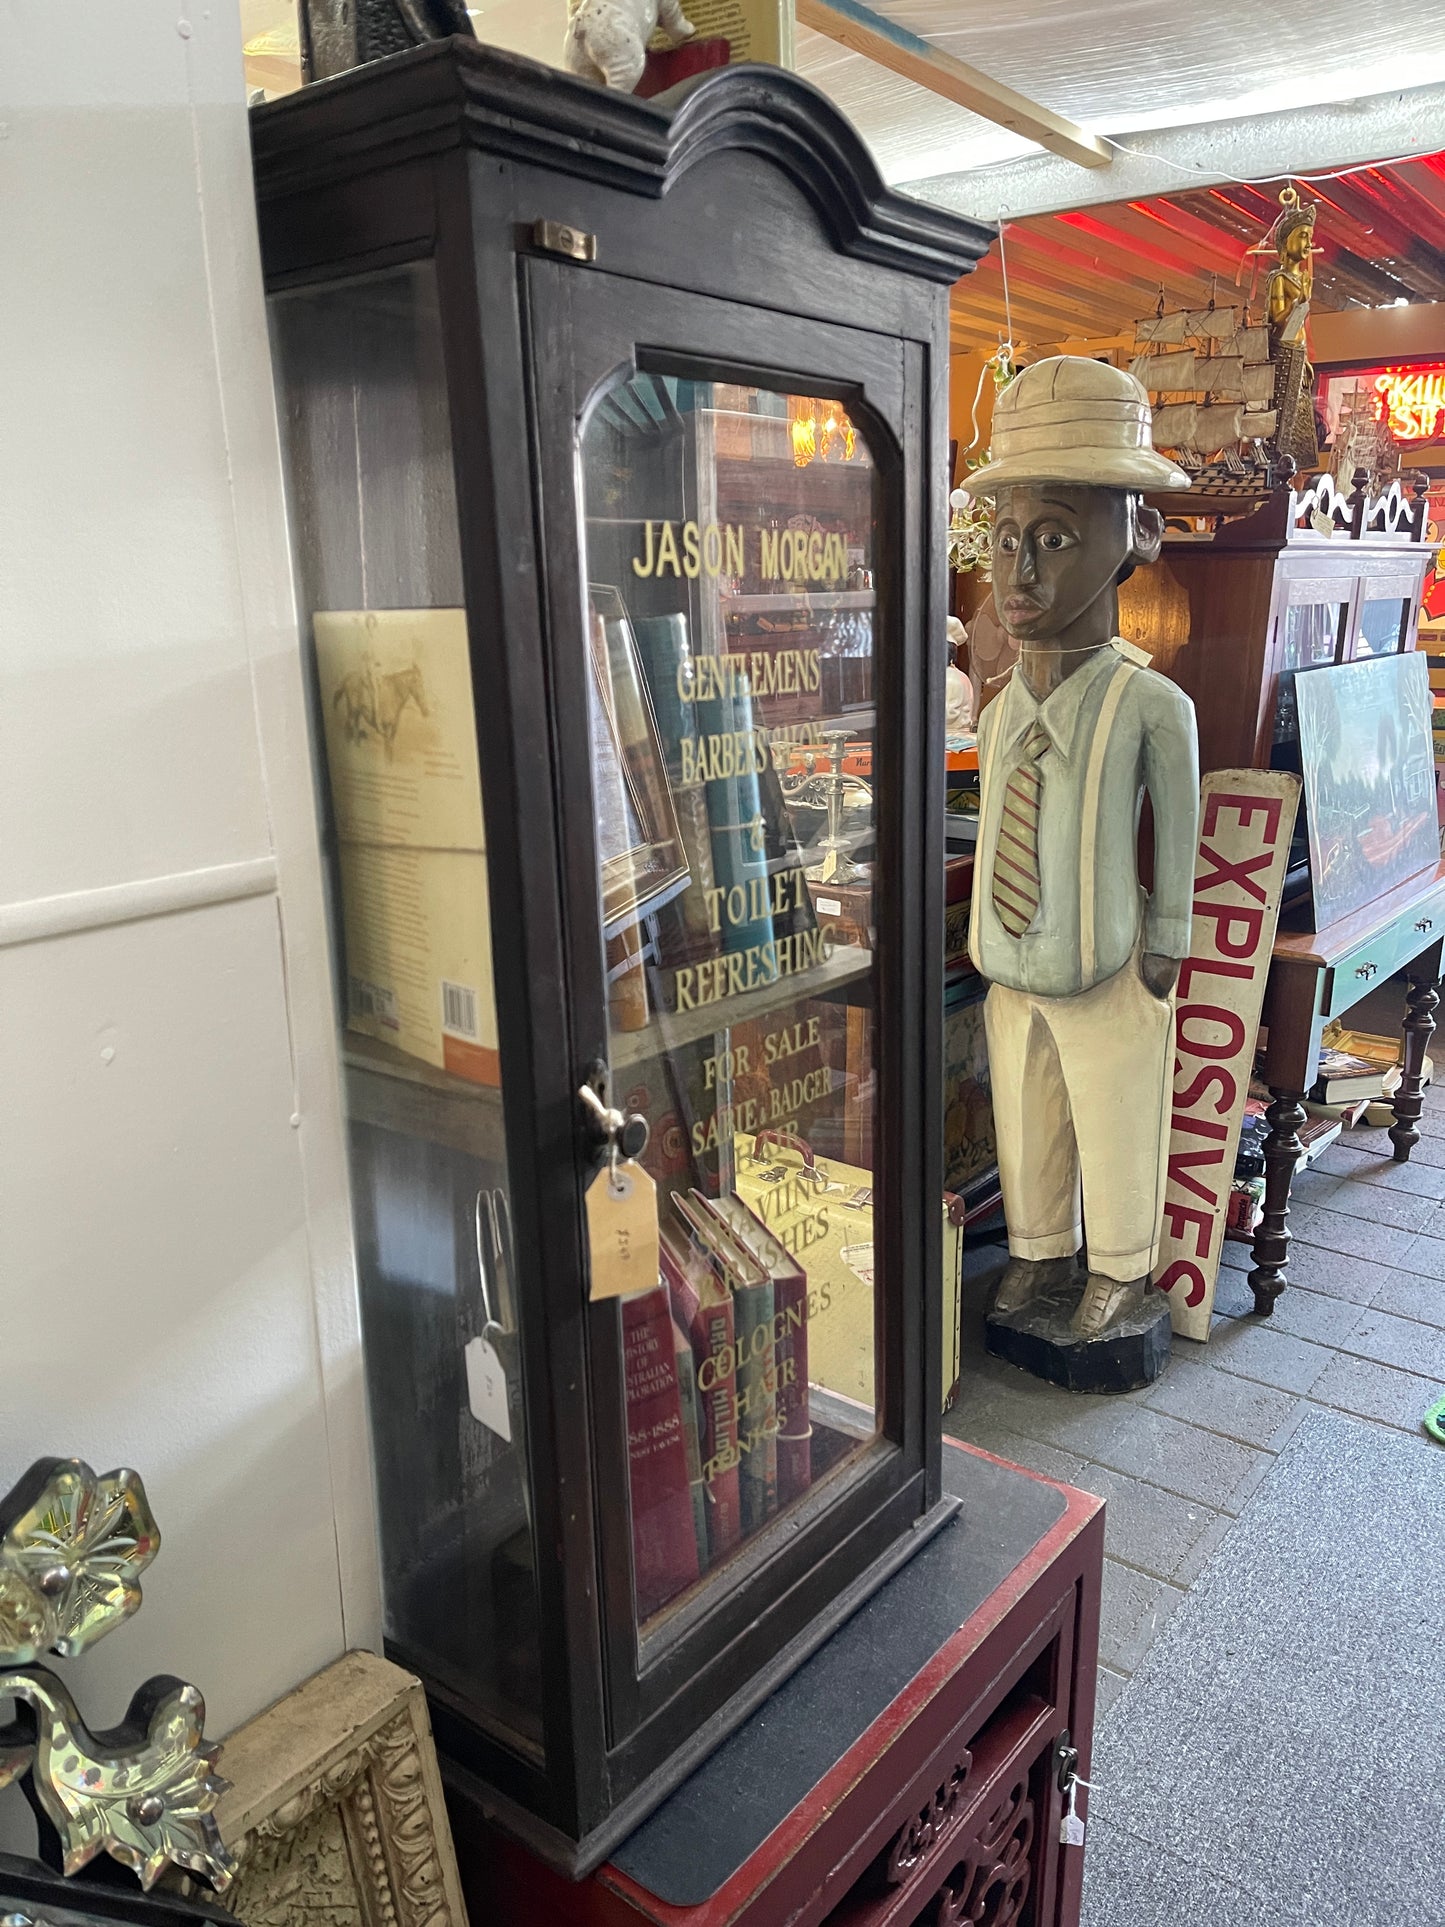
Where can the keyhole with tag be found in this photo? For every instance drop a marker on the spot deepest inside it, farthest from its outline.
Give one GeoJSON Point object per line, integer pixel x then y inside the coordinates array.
{"type": "Point", "coordinates": [621, 1205]}
{"type": "Point", "coordinates": [1066, 1766]}
{"type": "Point", "coordinates": [1071, 1827]}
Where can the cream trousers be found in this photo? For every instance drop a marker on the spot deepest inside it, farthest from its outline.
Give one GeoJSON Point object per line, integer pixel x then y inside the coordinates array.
{"type": "Point", "coordinates": [1081, 1090]}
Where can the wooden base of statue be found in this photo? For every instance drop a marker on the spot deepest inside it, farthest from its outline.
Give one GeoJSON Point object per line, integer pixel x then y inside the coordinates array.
{"type": "Point", "coordinates": [1038, 1338]}
{"type": "Point", "coordinates": [912, 1770]}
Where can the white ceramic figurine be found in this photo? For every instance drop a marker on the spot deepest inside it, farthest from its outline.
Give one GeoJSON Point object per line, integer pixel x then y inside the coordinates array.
{"type": "Point", "coordinates": [607, 39]}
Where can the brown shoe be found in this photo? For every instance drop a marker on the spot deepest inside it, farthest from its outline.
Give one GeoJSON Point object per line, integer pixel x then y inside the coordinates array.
{"type": "Point", "coordinates": [1025, 1279]}
{"type": "Point", "coordinates": [1105, 1302]}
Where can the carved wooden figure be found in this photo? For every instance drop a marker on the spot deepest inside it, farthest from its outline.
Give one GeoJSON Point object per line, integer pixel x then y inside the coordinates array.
{"type": "Point", "coordinates": [1082, 964]}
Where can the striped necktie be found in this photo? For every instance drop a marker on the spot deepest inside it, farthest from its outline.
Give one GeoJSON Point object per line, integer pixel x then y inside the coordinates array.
{"type": "Point", "coordinates": [1016, 858]}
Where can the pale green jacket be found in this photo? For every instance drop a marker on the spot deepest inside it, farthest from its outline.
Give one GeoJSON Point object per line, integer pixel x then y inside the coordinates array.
{"type": "Point", "coordinates": [1115, 730]}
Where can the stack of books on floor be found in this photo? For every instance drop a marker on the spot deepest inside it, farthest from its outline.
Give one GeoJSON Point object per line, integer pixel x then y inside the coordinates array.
{"type": "Point", "coordinates": [1359, 1073]}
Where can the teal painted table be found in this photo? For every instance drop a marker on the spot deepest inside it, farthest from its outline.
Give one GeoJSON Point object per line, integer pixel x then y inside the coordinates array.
{"type": "Point", "coordinates": [1318, 976]}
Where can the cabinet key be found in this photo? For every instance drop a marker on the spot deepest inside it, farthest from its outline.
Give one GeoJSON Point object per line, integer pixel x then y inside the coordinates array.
{"type": "Point", "coordinates": [1425, 923]}
{"type": "Point", "coordinates": [1367, 970]}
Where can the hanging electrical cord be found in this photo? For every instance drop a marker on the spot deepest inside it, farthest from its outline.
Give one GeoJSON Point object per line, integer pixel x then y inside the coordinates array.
{"type": "Point", "coordinates": [1008, 316]}
{"type": "Point", "coordinates": [1210, 176]}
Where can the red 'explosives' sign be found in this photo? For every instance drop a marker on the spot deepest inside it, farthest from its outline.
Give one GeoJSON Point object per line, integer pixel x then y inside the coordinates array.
{"type": "Point", "coordinates": [1246, 818]}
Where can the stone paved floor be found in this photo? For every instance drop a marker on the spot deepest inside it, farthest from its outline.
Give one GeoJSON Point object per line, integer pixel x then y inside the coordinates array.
{"type": "Point", "coordinates": [1360, 1328]}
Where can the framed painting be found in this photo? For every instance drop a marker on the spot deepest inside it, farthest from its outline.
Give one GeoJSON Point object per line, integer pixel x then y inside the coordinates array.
{"type": "Point", "coordinates": [1369, 777]}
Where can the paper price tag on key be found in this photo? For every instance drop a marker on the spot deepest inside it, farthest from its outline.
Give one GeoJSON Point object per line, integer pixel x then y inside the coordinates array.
{"type": "Point", "coordinates": [487, 1387]}
{"type": "Point", "coordinates": [622, 1230]}
{"type": "Point", "coordinates": [1071, 1827]}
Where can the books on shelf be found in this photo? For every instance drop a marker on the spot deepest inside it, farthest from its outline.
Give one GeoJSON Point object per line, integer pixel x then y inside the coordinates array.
{"type": "Point", "coordinates": [754, 1307]}
{"type": "Point", "coordinates": [789, 1345]}
{"type": "Point", "coordinates": [664, 1542]}
{"type": "Point", "coordinates": [703, 1307]}
{"type": "Point", "coordinates": [686, 1369]}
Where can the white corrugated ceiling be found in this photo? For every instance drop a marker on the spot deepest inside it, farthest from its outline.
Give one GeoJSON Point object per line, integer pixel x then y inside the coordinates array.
{"type": "Point", "coordinates": [1118, 66]}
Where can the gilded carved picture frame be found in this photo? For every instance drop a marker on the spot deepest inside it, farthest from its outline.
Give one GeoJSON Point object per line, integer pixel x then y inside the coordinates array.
{"type": "Point", "coordinates": [335, 1813]}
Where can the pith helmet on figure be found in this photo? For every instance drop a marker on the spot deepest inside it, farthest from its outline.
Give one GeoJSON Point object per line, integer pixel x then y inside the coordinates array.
{"type": "Point", "coordinates": [1081, 961]}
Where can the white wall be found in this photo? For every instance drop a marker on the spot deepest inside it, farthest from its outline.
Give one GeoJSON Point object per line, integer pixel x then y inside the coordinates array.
{"type": "Point", "coordinates": [176, 1282]}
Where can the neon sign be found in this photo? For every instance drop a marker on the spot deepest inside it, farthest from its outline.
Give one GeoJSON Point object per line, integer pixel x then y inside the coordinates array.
{"type": "Point", "coordinates": [1412, 401]}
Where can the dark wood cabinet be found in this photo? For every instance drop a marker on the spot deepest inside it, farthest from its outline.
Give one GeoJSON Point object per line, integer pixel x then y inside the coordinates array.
{"type": "Point", "coordinates": [616, 446]}
{"type": "Point", "coordinates": [1299, 584]}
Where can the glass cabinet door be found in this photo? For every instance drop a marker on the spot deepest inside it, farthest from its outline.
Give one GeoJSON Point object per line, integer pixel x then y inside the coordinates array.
{"type": "Point", "coordinates": [731, 587]}
{"type": "Point", "coordinates": [730, 557]}
{"type": "Point", "coordinates": [1312, 632]}
{"type": "Point", "coordinates": [374, 516]}
{"type": "Point", "coordinates": [1382, 630]}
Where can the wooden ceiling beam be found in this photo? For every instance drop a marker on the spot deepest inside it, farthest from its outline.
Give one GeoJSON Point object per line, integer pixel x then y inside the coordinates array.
{"type": "Point", "coordinates": [1097, 313]}
{"type": "Point", "coordinates": [1043, 293]}
{"type": "Point", "coordinates": [882, 40]}
{"type": "Point", "coordinates": [1117, 268]}
{"type": "Point", "coordinates": [1026, 320]}
{"type": "Point", "coordinates": [1039, 319]}
{"type": "Point", "coordinates": [1166, 262]}
{"type": "Point", "coordinates": [1199, 246]}
{"type": "Point", "coordinates": [1370, 229]}
{"type": "Point", "coordinates": [1027, 327]}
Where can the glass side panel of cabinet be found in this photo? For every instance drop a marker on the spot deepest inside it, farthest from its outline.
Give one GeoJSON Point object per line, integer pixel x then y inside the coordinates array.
{"type": "Point", "coordinates": [1312, 632]}
{"type": "Point", "coordinates": [1382, 626]}
{"type": "Point", "coordinates": [1312, 636]}
{"type": "Point", "coordinates": [730, 548]}
{"type": "Point", "coordinates": [373, 511]}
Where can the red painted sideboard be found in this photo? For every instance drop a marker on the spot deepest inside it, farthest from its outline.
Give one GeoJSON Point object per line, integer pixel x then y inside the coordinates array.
{"type": "Point", "coordinates": [941, 1800]}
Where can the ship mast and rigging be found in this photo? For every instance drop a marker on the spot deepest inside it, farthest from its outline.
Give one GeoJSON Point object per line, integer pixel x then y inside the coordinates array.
{"type": "Point", "coordinates": [1232, 396]}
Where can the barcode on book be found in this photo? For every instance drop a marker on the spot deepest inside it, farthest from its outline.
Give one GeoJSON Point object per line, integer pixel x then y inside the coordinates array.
{"type": "Point", "coordinates": [459, 1011]}
{"type": "Point", "coordinates": [372, 1000]}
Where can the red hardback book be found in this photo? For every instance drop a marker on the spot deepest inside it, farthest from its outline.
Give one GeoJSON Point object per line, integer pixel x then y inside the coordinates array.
{"type": "Point", "coordinates": [664, 1550]}
{"type": "Point", "coordinates": [790, 1343]}
{"type": "Point", "coordinates": [757, 1386]}
{"type": "Point", "coordinates": [704, 1308]}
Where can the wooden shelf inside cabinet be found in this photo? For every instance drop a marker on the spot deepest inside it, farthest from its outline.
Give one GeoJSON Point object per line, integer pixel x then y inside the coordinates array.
{"type": "Point", "coordinates": [671, 1029]}
{"type": "Point", "coordinates": [393, 1092]}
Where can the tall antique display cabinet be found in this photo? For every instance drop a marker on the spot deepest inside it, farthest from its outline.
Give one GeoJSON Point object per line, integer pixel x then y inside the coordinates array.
{"type": "Point", "coordinates": [616, 435]}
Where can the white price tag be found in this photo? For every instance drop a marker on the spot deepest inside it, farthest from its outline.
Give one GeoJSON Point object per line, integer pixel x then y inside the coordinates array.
{"type": "Point", "coordinates": [487, 1388]}
{"type": "Point", "coordinates": [1071, 1827]}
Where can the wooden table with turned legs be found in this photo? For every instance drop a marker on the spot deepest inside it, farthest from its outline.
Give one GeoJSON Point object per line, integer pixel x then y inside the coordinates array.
{"type": "Point", "coordinates": [1317, 976]}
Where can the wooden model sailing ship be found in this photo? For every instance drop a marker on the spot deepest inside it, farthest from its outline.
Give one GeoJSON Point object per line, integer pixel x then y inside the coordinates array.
{"type": "Point", "coordinates": [1233, 396]}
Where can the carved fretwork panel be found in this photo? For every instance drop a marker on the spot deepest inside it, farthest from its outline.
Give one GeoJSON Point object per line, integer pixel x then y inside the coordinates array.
{"type": "Point", "coordinates": [916, 1841]}
{"type": "Point", "coordinates": [990, 1880]}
